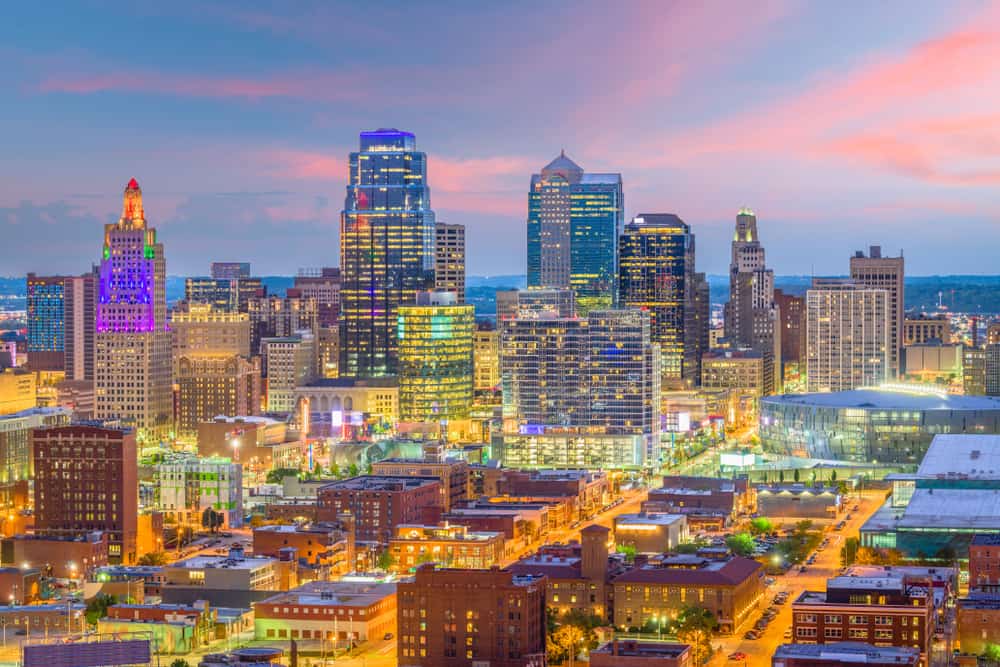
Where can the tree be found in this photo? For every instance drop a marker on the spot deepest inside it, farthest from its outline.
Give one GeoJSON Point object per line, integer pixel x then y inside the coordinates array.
{"type": "Point", "coordinates": [849, 552]}
{"type": "Point", "coordinates": [385, 561]}
{"type": "Point", "coordinates": [352, 470]}
{"type": "Point", "coordinates": [153, 558]}
{"type": "Point", "coordinates": [833, 475]}
{"type": "Point", "coordinates": [97, 608]}
{"type": "Point", "coordinates": [992, 652]}
{"type": "Point", "coordinates": [277, 475]}
{"type": "Point", "coordinates": [566, 641]}
{"type": "Point", "coordinates": [781, 477]}
{"type": "Point", "coordinates": [760, 526]}
{"type": "Point", "coordinates": [795, 475]}
{"type": "Point", "coordinates": [694, 627]}
{"type": "Point", "coordinates": [628, 550]}
{"type": "Point", "coordinates": [875, 556]}
{"type": "Point", "coordinates": [212, 520]}
{"type": "Point", "coordinates": [741, 544]}
{"type": "Point", "coordinates": [179, 662]}
{"type": "Point", "coordinates": [334, 469]}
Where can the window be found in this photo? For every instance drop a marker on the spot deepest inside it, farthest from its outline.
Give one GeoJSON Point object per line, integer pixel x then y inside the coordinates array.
{"type": "Point", "coordinates": [883, 634]}
{"type": "Point", "coordinates": [856, 633]}
{"type": "Point", "coordinates": [883, 620]}
{"type": "Point", "coordinates": [832, 618]}
{"type": "Point", "coordinates": [833, 633]}
{"type": "Point", "coordinates": [805, 632]}
{"type": "Point", "coordinates": [858, 620]}
{"type": "Point", "coordinates": [805, 618]}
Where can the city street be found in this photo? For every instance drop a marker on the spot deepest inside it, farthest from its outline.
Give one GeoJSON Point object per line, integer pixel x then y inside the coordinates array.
{"type": "Point", "coordinates": [760, 650]}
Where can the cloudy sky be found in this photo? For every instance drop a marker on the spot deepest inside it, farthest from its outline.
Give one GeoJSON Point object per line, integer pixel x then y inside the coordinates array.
{"type": "Point", "coordinates": [842, 124]}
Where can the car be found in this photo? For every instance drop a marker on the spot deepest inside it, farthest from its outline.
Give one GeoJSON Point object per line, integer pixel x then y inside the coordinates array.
{"type": "Point", "coordinates": [387, 636]}
{"type": "Point", "coordinates": [739, 655]}
{"type": "Point", "coordinates": [803, 568]}
{"type": "Point", "coordinates": [752, 634]}
{"type": "Point", "coordinates": [855, 508]}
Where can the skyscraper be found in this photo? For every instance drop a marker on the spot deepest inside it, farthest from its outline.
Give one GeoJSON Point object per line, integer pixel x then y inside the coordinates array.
{"type": "Point", "coordinates": [132, 359]}
{"type": "Point", "coordinates": [275, 316]}
{"type": "Point", "coordinates": [574, 220]}
{"type": "Point", "coordinates": [323, 285]}
{"type": "Point", "coordinates": [884, 273]}
{"type": "Point", "coordinates": [847, 336]}
{"type": "Point", "coordinates": [230, 270]}
{"type": "Point", "coordinates": [435, 358]}
{"type": "Point", "coordinates": [449, 259]}
{"type": "Point", "coordinates": [656, 274]}
{"type": "Point", "coordinates": [387, 237]}
{"type": "Point", "coordinates": [751, 315]}
{"type": "Point", "coordinates": [61, 324]}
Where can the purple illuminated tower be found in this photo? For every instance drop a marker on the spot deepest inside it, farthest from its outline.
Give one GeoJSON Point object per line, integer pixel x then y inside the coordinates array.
{"type": "Point", "coordinates": [132, 372]}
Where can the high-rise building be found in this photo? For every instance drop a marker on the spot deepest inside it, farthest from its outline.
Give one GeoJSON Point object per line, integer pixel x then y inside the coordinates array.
{"type": "Point", "coordinates": [791, 312]}
{"type": "Point", "coordinates": [86, 480]}
{"type": "Point", "coordinates": [992, 383]}
{"type": "Point", "coordinates": [974, 371]}
{"type": "Point", "coordinates": [490, 617]}
{"type": "Point", "coordinates": [656, 274]}
{"type": "Point", "coordinates": [847, 336]}
{"type": "Point", "coordinates": [230, 270]}
{"type": "Point", "coordinates": [289, 362]}
{"type": "Point", "coordinates": [132, 357]}
{"type": "Point", "coordinates": [486, 358]}
{"type": "Point", "coordinates": [435, 358]}
{"type": "Point", "coordinates": [323, 285]}
{"type": "Point", "coordinates": [574, 220]}
{"type": "Point", "coordinates": [17, 463]}
{"type": "Point", "coordinates": [275, 316]}
{"type": "Point", "coordinates": [751, 315]}
{"type": "Point", "coordinates": [534, 303]}
{"type": "Point", "coordinates": [61, 324]}
{"type": "Point", "coordinates": [449, 259]}
{"type": "Point", "coordinates": [886, 273]}
{"type": "Point", "coordinates": [386, 248]}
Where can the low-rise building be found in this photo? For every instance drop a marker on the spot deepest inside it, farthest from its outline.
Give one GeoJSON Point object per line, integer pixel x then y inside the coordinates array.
{"type": "Point", "coordinates": [633, 653]}
{"type": "Point", "coordinates": [379, 503]}
{"type": "Point", "coordinates": [56, 617]}
{"type": "Point", "coordinates": [151, 578]}
{"type": "Point", "coordinates": [454, 618]}
{"type": "Point", "coordinates": [984, 560]}
{"type": "Point", "coordinates": [569, 447]}
{"type": "Point", "coordinates": [844, 654]}
{"type": "Point", "coordinates": [176, 629]}
{"type": "Point", "coordinates": [448, 545]}
{"type": "Point", "coordinates": [591, 489]}
{"type": "Point", "coordinates": [318, 545]}
{"type": "Point", "coordinates": [332, 611]}
{"type": "Point", "coordinates": [235, 571]}
{"type": "Point", "coordinates": [62, 557]}
{"type": "Point", "coordinates": [651, 533]}
{"type": "Point", "coordinates": [977, 619]}
{"type": "Point", "coordinates": [19, 585]}
{"type": "Point", "coordinates": [453, 476]}
{"type": "Point", "coordinates": [730, 588]}
{"type": "Point", "coordinates": [798, 501]}
{"type": "Point", "coordinates": [187, 486]}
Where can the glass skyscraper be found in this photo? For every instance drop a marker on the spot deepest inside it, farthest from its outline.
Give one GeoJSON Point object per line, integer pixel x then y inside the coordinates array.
{"type": "Point", "coordinates": [46, 321]}
{"type": "Point", "coordinates": [574, 219]}
{"type": "Point", "coordinates": [387, 233]}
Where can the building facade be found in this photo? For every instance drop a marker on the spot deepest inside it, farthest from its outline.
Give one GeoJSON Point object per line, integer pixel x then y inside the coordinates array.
{"type": "Point", "coordinates": [886, 273]}
{"type": "Point", "coordinates": [378, 503]}
{"type": "Point", "coordinates": [132, 376]}
{"type": "Point", "coordinates": [278, 317]}
{"type": "Point", "coordinates": [17, 463]}
{"type": "Point", "coordinates": [289, 363]}
{"type": "Point", "coordinates": [449, 259]}
{"type": "Point", "coordinates": [921, 328]}
{"type": "Point", "coordinates": [323, 286]}
{"type": "Point", "coordinates": [574, 220]}
{"type": "Point", "coordinates": [387, 235]}
{"type": "Point", "coordinates": [61, 324]}
{"type": "Point", "coordinates": [187, 486]}
{"type": "Point", "coordinates": [447, 545]}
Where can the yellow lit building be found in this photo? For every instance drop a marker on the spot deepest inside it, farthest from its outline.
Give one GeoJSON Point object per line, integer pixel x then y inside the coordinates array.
{"type": "Point", "coordinates": [450, 546]}
{"type": "Point", "coordinates": [17, 391]}
{"type": "Point", "coordinates": [486, 359]}
{"type": "Point", "coordinates": [435, 359]}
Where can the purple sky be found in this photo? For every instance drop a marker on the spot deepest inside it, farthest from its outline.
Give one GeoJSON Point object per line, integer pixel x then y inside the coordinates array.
{"type": "Point", "coordinates": [841, 124]}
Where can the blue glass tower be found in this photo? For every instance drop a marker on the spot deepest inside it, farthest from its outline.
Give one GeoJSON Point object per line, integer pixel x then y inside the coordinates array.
{"type": "Point", "coordinates": [46, 321]}
{"type": "Point", "coordinates": [386, 248]}
{"type": "Point", "coordinates": [574, 220]}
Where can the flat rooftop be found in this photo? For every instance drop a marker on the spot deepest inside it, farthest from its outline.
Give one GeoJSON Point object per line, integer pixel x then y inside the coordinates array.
{"type": "Point", "coordinates": [222, 563]}
{"type": "Point", "coordinates": [648, 519]}
{"type": "Point", "coordinates": [971, 509]}
{"type": "Point", "coordinates": [851, 652]}
{"type": "Point", "coordinates": [335, 594]}
{"type": "Point", "coordinates": [964, 455]}
{"type": "Point", "coordinates": [879, 399]}
{"type": "Point", "coordinates": [379, 483]}
{"type": "Point", "coordinates": [985, 540]}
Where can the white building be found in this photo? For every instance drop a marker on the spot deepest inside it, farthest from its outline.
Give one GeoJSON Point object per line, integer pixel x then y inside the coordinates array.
{"type": "Point", "coordinates": [289, 362]}
{"type": "Point", "coordinates": [188, 485]}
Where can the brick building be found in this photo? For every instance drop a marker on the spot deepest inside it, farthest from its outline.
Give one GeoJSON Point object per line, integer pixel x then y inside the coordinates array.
{"type": "Point", "coordinates": [630, 653]}
{"type": "Point", "coordinates": [487, 616]}
{"type": "Point", "coordinates": [318, 545]}
{"type": "Point", "coordinates": [984, 560]}
{"type": "Point", "coordinates": [86, 480]}
{"type": "Point", "coordinates": [379, 503]}
{"type": "Point", "coordinates": [977, 619]}
{"type": "Point", "coordinates": [453, 476]}
{"type": "Point", "coordinates": [451, 546]}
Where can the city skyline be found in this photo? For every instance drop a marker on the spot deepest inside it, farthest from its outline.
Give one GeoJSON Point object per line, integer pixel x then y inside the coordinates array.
{"type": "Point", "coordinates": [246, 131]}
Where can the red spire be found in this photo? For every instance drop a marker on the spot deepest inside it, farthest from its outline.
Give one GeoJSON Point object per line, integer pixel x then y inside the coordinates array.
{"type": "Point", "coordinates": [133, 185]}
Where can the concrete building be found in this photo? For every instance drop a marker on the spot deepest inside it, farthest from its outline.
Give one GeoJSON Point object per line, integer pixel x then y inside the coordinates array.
{"type": "Point", "coordinates": [343, 397]}
{"type": "Point", "coordinates": [934, 363]}
{"type": "Point", "coordinates": [281, 317]}
{"type": "Point", "coordinates": [633, 653]}
{"type": "Point", "coordinates": [848, 341]}
{"type": "Point", "coordinates": [18, 390]}
{"type": "Point", "coordinates": [337, 612]}
{"type": "Point", "coordinates": [974, 371]}
{"type": "Point", "coordinates": [573, 448]}
{"type": "Point", "coordinates": [132, 380]}
{"type": "Point", "coordinates": [17, 463]}
{"type": "Point", "coordinates": [452, 475]}
{"type": "Point", "coordinates": [651, 533]}
{"type": "Point", "coordinates": [844, 654]}
{"type": "Point", "coordinates": [992, 369]}
{"type": "Point", "coordinates": [732, 589]}
{"type": "Point", "coordinates": [885, 273]}
{"type": "Point", "coordinates": [541, 303]}
{"type": "Point", "coordinates": [466, 605]}
{"type": "Point", "coordinates": [922, 328]}
{"type": "Point", "coordinates": [322, 286]}
{"type": "Point", "coordinates": [187, 485]}
{"type": "Point", "coordinates": [791, 310]}
{"type": "Point", "coordinates": [485, 359]}
{"type": "Point", "coordinates": [379, 503]}
{"type": "Point", "coordinates": [235, 571]}
{"type": "Point", "coordinates": [449, 259]}
{"type": "Point", "coordinates": [289, 362]}
{"type": "Point", "coordinates": [61, 324]}
{"type": "Point", "coordinates": [798, 501]}
{"type": "Point", "coordinates": [86, 480]}
{"type": "Point", "coordinates": [447, 545]}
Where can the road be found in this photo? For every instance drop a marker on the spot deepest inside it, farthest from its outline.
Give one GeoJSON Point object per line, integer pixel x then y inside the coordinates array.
{"type": "Point", "coordinates": [760, 650]}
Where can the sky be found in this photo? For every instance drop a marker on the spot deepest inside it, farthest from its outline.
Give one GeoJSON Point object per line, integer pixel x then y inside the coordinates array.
{"type": "Point", "coordinates": [842, 124]}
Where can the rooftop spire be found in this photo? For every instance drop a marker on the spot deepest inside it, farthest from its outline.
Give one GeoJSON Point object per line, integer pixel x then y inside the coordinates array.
{"type": "Point", "coordinates": [132, 202]}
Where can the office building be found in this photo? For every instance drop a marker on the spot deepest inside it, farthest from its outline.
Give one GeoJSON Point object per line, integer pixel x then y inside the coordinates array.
{"type": "Point", "coordinates": [132, 378]}
{"type": "Point", "coordinates": [336, 614]}
{"type": "Point", "coordinates": [921, 328]}
{"type": "Point", "coordinates": [467, 605]}
{"type": "Point", "coordinates": [992, 369]}
{"type": "Point", "coordinates": [974, 371]}
{"type": "Point", "coordinates": [635, 653]}
{"type": "Point", "coordinates": [434, 341]}
{"type": "Point", "coordinates": [277, 317]}
{"type": "Point", "coordinates": [890, 425]}
{"type": "Point", "coordinates": [289, 363]}
{"type": "Point", "coordinates": [18, 390]}
{"type": "Point", "coordinates": [453, 476]}
{"type": "Point", "coordinates": [61, 324]}
{"type": "Point", "coordinates": [791, 310]}
{"type": "Point", "coordinates": [844, 654]}
{"type": "Point", "coordinates": [731, 588]}
{"type": "Point", "coordinates": [187, 485]}
{"type": "Point", "coordinates": [739, 370]}
{"type": "Point", "coordinates": [847, 336]}
{"type": "Point", "coordinates": [85, 481]}
{"type": "Point", "coordinates": [574, 220]}
{"type": "Point", "coordinates": [387, 235]}
{"type": "Point", "coordinates": [886, 273]}
{"type": "Point", "coordinates": [349, 400]}
{"type": "Point", "coordinates": [232, 572]}
{"type": "Point", "coordinates": [534, 304]}
{"type": "Point", "coordinates": [485, 359]}
{"type": "Point", "coordinates": [752, 318]}
{"type": "Point", "coordinates": [934, 363]}
{"type": "Point", "coordinates": [656, 274]}
{"type": "Point", "coordinates": [378, 503]}
{"type": "Point", "coordinates": [328, 352]}
{"type": "Point", "coordinates": [230, 270]}
{"type": "Point", "coordinates": [651, 533]}
{"type": "Point", "coordinates": [224, 293]}
{"type": "Point", "coordinates": [449, 259]}
{"type": "Point", "coordinates": [447, 545]}
{"type": "Point", "coordinates": [323, 285]}
{"type": "Point", "coordinates": [17, 463]}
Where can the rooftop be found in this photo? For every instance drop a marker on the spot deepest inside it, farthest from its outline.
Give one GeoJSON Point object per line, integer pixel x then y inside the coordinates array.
{"type": "Point", "coordinates": [346, 382]}
{"type": "Point", "coordinates": [379, 483]}
{"type": "Point", "coordinates": [647, 649]}
{"type": "Point", "coordinates": [222, 562]}
{"type": "Point", "coordinates": [335, 594]}
{"type": "Point", "coordinates": [880, 399]}
{"type": "Point", "coordinates": [977, 509]}
{"type": "Point", "coordinates": [985, 540]}
{"type": "Point", "coordinates": [980, 600]}
{"type": "Point", "coordinates": [975, 456]}
{"type": "Point", "coordinates": [647, 519]}
{"type": "Point", "coordinates": [694, 571]}
{"type": "Point", "coordinates": [852, 652]}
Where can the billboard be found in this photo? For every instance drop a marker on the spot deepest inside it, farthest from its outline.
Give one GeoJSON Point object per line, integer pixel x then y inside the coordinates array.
{"type": "Point", "coordinates": [87, 654]}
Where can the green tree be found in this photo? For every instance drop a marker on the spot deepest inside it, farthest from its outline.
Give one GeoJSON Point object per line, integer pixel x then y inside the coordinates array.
{"type": "Point", "coordinates": [694, 627]}
{"type": "Point", "coordinates": [335, 469]}
{"type": "Point", "coordinates": [385, 561]}
{"type": "Point", "coordinates": [278, 474]}
{"type": "Point", "coordinates": [795, 475]}
{"type": "Point", "coordinates": [833, 475]}
{"type": "Point", "coordinates": [760, 526]}
{"type": "Point", "coordinates": [781, 477]}
{"type": "Point", "coordinates": [628, 550]}
{"type": "Point", "coordinates": [212, 520]}
{"type": "Point", "coordinates": [179, 662]}
{"type": "Point", "coordinates": [97, 608]}
{"type": "Point", "coordinates": [352, 470]}
{"type": "Point", "coordinates": [741, 544]}
{"type": "Point", "coordinates": [849, 552]}
{"type": "Point", "coordinates": [153, 558]}
{"type": "Point", "coordinates": [992, 652]}
{"type": "Point", "coordinates": [368, 468]}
